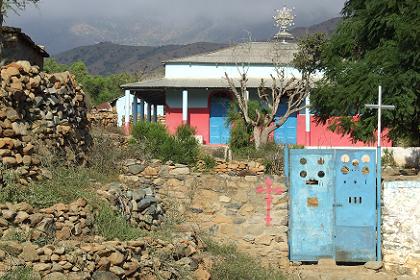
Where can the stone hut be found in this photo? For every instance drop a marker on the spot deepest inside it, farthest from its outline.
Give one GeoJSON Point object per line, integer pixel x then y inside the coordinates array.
{"type": "Point", "coordinates": [19, 46]}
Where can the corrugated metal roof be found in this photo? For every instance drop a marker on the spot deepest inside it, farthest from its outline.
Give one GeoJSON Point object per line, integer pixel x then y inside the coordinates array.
{"type": "Point", "coordinates": [251, 53]}
{"type": "Point", "coordinates": [190, 83]}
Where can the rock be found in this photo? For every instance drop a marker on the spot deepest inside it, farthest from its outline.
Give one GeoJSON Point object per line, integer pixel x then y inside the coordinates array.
{"type": "Point", "coordinates": [42, 266]}
{"type": "Point", "coordinates": [374, 265]}
{"type": "Point", "coordinates": [224, 199]}
{"type": "Point", "coordinates": [138, 195]}
{"type": "Point", "coordinates": [55, 276]}
{"type": "Point", "coordinates": [146, 202]}
{"type": "Point", "coordinates": [202, 274]}
{"type": "Point", "coordinates": [116, 258]}
{"type": "Point", "coordinates": [179, 171]}
{"type": "Point", "coordinates": [29, 253]}
{"type": "Point", "coordinates": [104, 275]}
{"type": "Point", "coordinates": [135, 169]}
{"type": "Point", "coordinates": [21, 217]}
{"type": "Point", "coordinates": [9, 161]}
{"type": "Point", "coordinates": [2, 255]}
{"type": "Point", "coordinates": [11, 247]}
{"type": "Point", "coordinates": [63, 234]}
{"type": "Point", "coordinates": [117, 270]}
{"type": "Point", "coordinates": [8, 214]}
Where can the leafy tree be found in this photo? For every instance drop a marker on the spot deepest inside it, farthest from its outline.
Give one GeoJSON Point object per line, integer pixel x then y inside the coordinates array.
{"type": "Point", "coordinates": [99, 88]}
{"type": "Point", "coordinates": [377, 43]}
{"type": "Point", "coordinates": [14, 5]}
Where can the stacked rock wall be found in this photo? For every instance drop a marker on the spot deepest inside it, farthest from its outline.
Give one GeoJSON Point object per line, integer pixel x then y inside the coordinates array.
{"type": "Point", "coordinates": [401, 226]}
{"type": "Point", "coordinates": [40, 113]}
{"type": "Point", "coordinates": [226, 207]}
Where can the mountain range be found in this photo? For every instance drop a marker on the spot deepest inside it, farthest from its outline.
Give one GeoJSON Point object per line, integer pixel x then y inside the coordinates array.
{"type": "Point", "coordinates": [108, 58]}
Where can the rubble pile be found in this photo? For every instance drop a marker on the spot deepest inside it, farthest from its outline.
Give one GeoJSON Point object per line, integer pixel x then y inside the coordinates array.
{"type": "Point", "coordinates": [40, 113]}
{"type": "Point", "coordinates": [145, 258]}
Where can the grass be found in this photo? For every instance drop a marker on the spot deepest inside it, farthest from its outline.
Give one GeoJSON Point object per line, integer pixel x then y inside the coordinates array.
{"type": "Point", "coordinates": [20, 273]}
{"type": "Point", "coordinates": [234, 265]}
{"type": "Point", "coordinates": [67, 184]}
{"type": "Point", "coordinates": [111, 225]}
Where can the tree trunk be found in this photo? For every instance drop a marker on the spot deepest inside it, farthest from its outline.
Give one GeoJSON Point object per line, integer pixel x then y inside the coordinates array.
{"type": "Point", "coordinates": [265, 134]}
{"type": "Point", "coordinates": [261, 135]}
{"type": "Point", "coordinates": [257, 137]}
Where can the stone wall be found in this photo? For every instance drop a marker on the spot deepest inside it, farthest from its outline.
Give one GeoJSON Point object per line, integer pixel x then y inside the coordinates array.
{"type": "Point", "coordinates": [228, 208]}
{"type": "Point", "coordinates": [401, 226]}
{"type": "Point", "coordinates": [40, 114]}
{"type": "Point", "coordinates": [60, 242]}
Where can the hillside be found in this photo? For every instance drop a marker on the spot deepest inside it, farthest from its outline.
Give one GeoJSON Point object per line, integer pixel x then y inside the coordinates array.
{"type": "Point", "coordinates": [107, 58]}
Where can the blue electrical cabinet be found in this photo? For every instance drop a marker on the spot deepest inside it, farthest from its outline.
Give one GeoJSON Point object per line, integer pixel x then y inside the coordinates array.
{"type": "Point", "coordinates": [332, 205]}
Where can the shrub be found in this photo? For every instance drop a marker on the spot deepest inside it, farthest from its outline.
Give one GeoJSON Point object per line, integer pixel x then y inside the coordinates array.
{"type": "Point", "coordinates": [152, 135]}
{"type": "Point", "coordinates": [240, 137]}
{"type": "Point", "coordinates": [183, 147]}
{"type": "Point", "coordinates": [180, 148]}
{"type": "Point", "coordinates": [209, 161]}
{"type": "Point", "coordinates": [233, 265]}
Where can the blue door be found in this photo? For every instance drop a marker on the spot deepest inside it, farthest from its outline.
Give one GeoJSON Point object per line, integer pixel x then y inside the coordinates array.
{"type": "Point", "coordinates": [311, 220]}
{"type": "Point", "coordinates": [286, 134]}
{"type": "Point", "coordinates": [355, 206]}
{"type": "Point", "coordinates": [332, 205]}
{"type": "Point", "coordinates": [219, 130]}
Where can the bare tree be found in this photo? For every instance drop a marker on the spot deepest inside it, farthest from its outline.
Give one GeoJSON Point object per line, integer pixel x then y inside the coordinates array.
{"type": "Point", "coordinates": [15, 6]}
{"type": "Point", "coordinates": [263, 123]}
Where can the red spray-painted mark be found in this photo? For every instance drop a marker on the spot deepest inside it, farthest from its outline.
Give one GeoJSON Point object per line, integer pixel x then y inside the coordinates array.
{"type": "Point", "coordinates": [268, 198]}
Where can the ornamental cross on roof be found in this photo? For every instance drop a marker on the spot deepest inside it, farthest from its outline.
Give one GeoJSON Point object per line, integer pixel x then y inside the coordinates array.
{"type": "Point", "coordinates": [284, 19]}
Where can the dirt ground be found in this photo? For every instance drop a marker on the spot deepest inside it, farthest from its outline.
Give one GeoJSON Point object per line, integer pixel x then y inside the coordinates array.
{"type": "Point", "coordinates": [330, 271]}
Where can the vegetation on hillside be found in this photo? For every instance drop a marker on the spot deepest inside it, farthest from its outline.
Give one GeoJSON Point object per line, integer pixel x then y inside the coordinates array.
{"type": "Point", "coordinates": [98, 88]}
{"type": "Point", "coordinates": [377, 43]}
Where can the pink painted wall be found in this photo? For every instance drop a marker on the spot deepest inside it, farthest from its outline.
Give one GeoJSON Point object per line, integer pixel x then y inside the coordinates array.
{"type": "Point", "coordinates": [322, 136]}
{"type": "Point", "coordinates": [198, 118]}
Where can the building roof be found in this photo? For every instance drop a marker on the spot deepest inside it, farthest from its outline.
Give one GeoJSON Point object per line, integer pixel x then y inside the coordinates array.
{"type": "Point", "coordinates": [25, 38]}
{"type": "Point", "coordinates": [246, 53]}
{"type": "Point", "coordinates": [189, 83]}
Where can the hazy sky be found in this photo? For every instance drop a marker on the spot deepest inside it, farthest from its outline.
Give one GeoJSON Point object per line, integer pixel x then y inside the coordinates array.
{"type": "Point", "coordinates": [249, 11]}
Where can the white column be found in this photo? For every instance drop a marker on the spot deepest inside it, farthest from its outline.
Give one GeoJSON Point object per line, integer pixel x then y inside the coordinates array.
{"type": "Point", "coordinates": [308, 121]}
{"type": "Point", "coordinates": [185, 106]}
{"type": "Point", "coordinates": [127, 111]}
{"type": "Point", "coordinates": [247, 95]}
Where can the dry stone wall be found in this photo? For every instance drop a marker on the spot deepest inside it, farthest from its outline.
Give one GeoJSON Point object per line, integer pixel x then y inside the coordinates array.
{"type": "Point", "coordinates": [401, 226]}
{"type": "Point", "coordinates": [40, 113]}
{"type": "Point", "coordinates": [226, 207]}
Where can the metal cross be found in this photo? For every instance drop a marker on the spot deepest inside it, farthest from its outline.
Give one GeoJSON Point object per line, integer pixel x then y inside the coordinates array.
{"type": "Point", "coordinates": [268, 190]}
{"type": "Point", "coordinates": [379, 107]}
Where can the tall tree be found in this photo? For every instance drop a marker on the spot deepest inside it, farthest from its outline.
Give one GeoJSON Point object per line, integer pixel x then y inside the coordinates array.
{"type": "Point", "coordinates": [377, 43]}
{"type": "Point", "coordinates": [10, 5]}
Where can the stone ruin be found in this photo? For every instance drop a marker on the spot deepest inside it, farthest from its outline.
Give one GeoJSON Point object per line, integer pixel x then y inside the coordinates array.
{"type": "Point", "coordinates": [40, 114]}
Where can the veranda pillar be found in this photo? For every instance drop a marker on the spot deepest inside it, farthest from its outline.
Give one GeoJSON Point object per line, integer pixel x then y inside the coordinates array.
{"type": "Point", "coordinates": [127, 112]}
{"type": "Point", "coordinates": [185, 106]}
